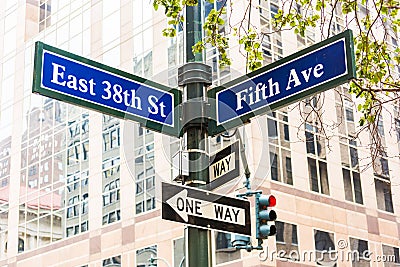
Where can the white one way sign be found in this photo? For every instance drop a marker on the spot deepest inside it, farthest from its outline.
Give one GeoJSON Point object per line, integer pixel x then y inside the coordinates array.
{"type": "Point", "coordinates": [204, 209]}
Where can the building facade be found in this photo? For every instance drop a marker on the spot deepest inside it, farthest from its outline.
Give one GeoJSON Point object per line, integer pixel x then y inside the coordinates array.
{"type": "Point", "coordinates": [81, 188]}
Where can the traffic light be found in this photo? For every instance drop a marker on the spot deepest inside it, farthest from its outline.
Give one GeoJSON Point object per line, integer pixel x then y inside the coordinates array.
{"type": "Point", "coordinates": [263, 216]}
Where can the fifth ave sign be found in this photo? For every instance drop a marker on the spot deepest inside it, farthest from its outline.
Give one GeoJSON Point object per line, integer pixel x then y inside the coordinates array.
{"type": "Point", "coordinates": [312, 70]}
{"type": "Point", "coordinates": [204, 209]}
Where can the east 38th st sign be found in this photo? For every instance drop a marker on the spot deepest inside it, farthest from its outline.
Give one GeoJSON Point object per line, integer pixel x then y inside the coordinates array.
{"type": "Point", "coordinates": [77, 80]}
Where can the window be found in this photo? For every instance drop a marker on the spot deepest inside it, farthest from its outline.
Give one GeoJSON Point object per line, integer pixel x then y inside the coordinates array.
{"type": "Point", "coordinates": [143, 64]}
{"type": "Point", "coordinates": [73, 129]}
{"type": "Point", "coordinates": [348, 110]}
{"type": "Point", "coordinates": [73, 209]}
{"type": "Point", "coordinates": [139, 187]}
{"type": "Point", "coordinates": [274, 166]}
{"type": "Point", "coordinates": [111, 138]}
{"type": "Point", "coordinates": [271, 44]}
{"type": "Point", "coordinates": [85, 150]}
{"type": "Point", "coordinates": [179, 252]}
{"type": "Point", "coordinates": [85, 205]}
{"type": "Point", "coordinates": [309, 34]}
{"type": "Point", "coordinates": [150, 203]}
{"type": "Point", "coordinates": [286, 129]}
{"type": "Point", "coordinates": [111, 169]}
{"type": "Point", "coordinates": [397, 127]}
{"type": "Point", "coordinates": [70, 231]}
{"type": "Point", "coordinates": [289, 174]}
{"type": "Point", "coordinates": [115, 138]}
{"type": "Point", "coordinates": [272, 128]}
{"type": "Point", "coordinates": [144, 171]}
{"type": "Point", "coordinates": [316, 159]}
{"type": "Point", "coordinates": [111, 193]}
{"type": "Point", "coordinates": [279, 141]}
{"type": "Point", "coordinates": [44, 14]}
{"type": "Point", "coordinates": [150, 182]}
{"type": "Point", "coordinates": [85, 124]}
{"type": "Point", "coordinates": [139, 207]}
{"type": "Point", "coordinates": [73, 153]}
{"type": "Point", "coordinates": [352, 186]}
{"type": "Point", "coordinates": [143, 255]}
{"type": "Point", "coordinates": [286, 239]}
{"type": "Point", "coordinates": [392, 256]}
{"type": "Point", "coordinates": [112, 217]}
{"type": "Point", "coordinates": [314, 144]}
{"type": "Point", "coordinates": [224, 251]}
{"type": "Point", "coordinates": [381, 130]}
{"type": "Point", "coordinates": [223, 241]}
{"type": "Point", "coordinates": [381, 167]}
{"type": "Point", "coordinates": [318, 176]}
{"type": "Point", "coordinates": [112, 262]}
{"type": "Point", "coordinates": [84, 226]}
{"type": "Point", "coordinates": [383, 195]}
{"type": "Point", "coordinates": [21, 245]}
{"type": "Point", "coordinates": [324, 245]}
{"type": "Point", "coordinates": [350, 170]}
{"type": "Point", "coordinates": [361, 258]}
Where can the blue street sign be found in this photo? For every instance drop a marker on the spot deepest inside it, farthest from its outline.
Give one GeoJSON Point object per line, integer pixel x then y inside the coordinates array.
{"type": "Point", "coordinates": [90, 84]}
{"type": "Point", "coordinates": [317, 68]}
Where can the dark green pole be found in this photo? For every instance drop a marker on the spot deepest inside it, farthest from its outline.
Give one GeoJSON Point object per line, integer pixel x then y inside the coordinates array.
{"type": "Point", "coordinates": [194, 76]}
{"type": "Point", "coordinates": [194, 32]}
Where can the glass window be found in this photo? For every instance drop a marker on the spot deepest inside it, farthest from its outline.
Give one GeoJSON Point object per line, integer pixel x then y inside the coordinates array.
{"type": "Point", "coordinates": [143, 256]}
{"type": "Point", "coordinates": [179, 252]}
{"type": "Point", "coordinates": [150, 183]}
{"type": "Point", "coordinates": [362, 258]}
{"type": "Point", "coordinates": [112, 262]}
{"type": "Point", "coordinates": [286, 239]}
{"type": "Point", "coordinates": [324, 242]}
{"type": "Point", "coordinates": [144, 171]}
{"type": "Point", "coordinates": [44, 14]}
{"type": "Point", "coordinates": [381, 130]}
{"type": "Point", "coordinates": [224, 252]}
{"type": "Point", "coordinates": [289, 173]}
{"type": "Point", "coordinates": [383, 195]}
{"type": "Point", "coordinates": [318, 176]}
{"type": "Point", "coordinates": [139, 187]}
{"type": "Point", "coordinates": [279, 147]}
{"type": "Point", "coordinates": [352, 186]}
{"type": "Point", "coordinates": [273, 158]}
{"type": "Point", "coordinates": [349, 110]}
{"type": "Point", "coordinates": [111, 169]}
{"type": "Point", "coordinates": [272, 128]}
{"type": "Point", "coordinates": [392, 256]}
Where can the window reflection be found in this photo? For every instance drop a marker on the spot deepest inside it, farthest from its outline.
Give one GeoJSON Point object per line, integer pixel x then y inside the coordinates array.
{"type": "Point", "coordinates": [111, 169]}
{"type": "Point", "coordinates": [144, 170]}
{"type": "Point", "coordinates": [54, 175]}
{"type": "Point", "coordinates": [112, 262]}
{"type": "Point", "coordinates": [143, 256]}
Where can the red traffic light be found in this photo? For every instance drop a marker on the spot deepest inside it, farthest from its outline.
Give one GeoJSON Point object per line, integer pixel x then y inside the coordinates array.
{"type": "Point", "coordinates": [271, 201]}
{"type": "Point", "coordinates": [265, 201]}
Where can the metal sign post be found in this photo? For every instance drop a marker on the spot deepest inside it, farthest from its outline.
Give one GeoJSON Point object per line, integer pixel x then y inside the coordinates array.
{"type": "Point", "coordinates": [194, 76]}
